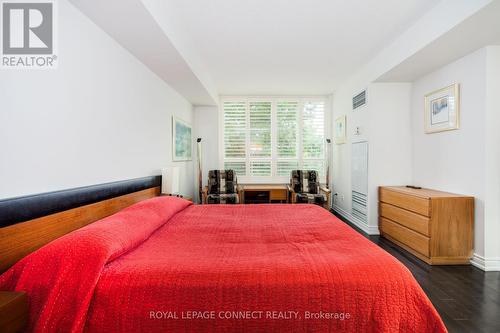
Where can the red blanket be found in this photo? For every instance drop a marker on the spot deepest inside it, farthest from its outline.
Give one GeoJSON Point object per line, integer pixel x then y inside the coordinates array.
{"type": "Point", "coordinates": [164, 265]}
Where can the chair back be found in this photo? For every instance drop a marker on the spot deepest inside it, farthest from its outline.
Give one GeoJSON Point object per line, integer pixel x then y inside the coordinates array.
{"type": "Point", "coordinates": [305, 181]}
{"type": "Point", "coordinates": [222, 182]}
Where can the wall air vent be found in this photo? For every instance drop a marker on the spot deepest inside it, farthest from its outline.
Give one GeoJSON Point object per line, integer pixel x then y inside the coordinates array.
{"type": "Point", "coordinates": [359, 100]}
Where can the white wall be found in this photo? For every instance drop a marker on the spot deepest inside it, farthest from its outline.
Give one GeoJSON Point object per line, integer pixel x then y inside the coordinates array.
{"type": "Point", "coordinates": [454, 161]}
{"type": "Point", "coordinates": [466, 161]}
{"type": "Point", "coordinates": [385, 123]}
{"type": "Point", "coordinates": [206, 126]}
{"type": "Point", "coordinates": [390, 159]}
{"type": "Point", "coordinates": [101, 116]}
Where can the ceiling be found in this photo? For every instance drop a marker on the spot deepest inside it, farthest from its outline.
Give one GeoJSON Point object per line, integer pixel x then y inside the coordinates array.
{"type": "Point", "coordinates": [480, 29]}
{"type": "Point", "coordinates": [145, 36]}
{"type": "Point", "coordinates": [285, 47]}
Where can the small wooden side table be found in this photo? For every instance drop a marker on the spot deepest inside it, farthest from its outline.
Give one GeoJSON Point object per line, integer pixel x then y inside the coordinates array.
{"type": "Point", "coordinates": [264, 193]}
{"type": "Point", "coordinates": [13, 311]}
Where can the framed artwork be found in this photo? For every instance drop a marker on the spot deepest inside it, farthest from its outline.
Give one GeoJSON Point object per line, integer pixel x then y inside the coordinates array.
{"type": "Point", "coordinates": [442, 109]}
{"type": "Point", "coordinates": [340, 130]}
{"type": "Point", "coordinates": [181, 140]}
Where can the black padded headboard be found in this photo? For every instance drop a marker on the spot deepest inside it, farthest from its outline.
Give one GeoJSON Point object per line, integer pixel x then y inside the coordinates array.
{"type": "Point", "coordinates": [20, 209]}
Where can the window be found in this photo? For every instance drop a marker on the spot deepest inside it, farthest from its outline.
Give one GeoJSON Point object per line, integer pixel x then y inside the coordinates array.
{"type": "Point", "coordinates": [234, 130]}
{"type": "Point", "coordinates": [265, 138]}
{"type": "Point", "coordinates": [260, 129]}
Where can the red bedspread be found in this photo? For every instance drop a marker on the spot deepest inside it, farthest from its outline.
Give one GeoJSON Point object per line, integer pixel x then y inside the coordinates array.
{"type": "Point", "coordinates": [164, 265]}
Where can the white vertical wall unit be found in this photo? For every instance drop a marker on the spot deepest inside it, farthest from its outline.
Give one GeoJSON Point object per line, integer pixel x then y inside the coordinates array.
{"type": "Point", "coordinates": [492, 164]}
{"type": "Point", "coordinates": [383, 124]}
{"type": "Point", "coordinates": [359, 180]}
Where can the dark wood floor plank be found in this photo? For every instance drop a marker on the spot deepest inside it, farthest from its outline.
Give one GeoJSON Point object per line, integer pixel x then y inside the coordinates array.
{"type": "Point", "coordinates": [467, 298]}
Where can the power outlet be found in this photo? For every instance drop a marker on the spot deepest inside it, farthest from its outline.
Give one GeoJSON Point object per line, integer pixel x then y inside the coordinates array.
{"type": "Point", "coordinates": [337, 197]}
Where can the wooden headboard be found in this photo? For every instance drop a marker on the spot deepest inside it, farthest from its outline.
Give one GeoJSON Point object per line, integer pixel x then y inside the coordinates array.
{"type": "Point", "coordinates": [28, 223]}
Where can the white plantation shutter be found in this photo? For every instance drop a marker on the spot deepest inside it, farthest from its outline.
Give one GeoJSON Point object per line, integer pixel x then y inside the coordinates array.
{"type": "Point", "coordinates": [264, 139]}
{"type": "Point", "coordinates": [260, 168]}
{"type": "Point", "coordinates": [285, 167]}
{"type": "Point", "coordinates": [260, 129]}
{"type": "Point", "coordinates": [238, 167]}
{"type": "Point", "coordinates": [313, 130]}
{"type": "Point", "coordinates": [234, 129]}
{"type": "Point", "coordinates": [313, 137]}
{"type": "Point", "coordinates": [318, 165]}
{"type": "Point", "coordinates": [287, 125]}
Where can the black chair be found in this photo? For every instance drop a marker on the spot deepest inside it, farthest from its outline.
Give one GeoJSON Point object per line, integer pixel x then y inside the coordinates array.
{"type": "Point", "coordinates": [304, 187]}
{"type": "Point", "coordinates": [222, 188]}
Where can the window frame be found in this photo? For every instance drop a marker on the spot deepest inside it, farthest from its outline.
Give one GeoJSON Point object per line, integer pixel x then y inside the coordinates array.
{"type": "Point", "coordinates": [274, 178]}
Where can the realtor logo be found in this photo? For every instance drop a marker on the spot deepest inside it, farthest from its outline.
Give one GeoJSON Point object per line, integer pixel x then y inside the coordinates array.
{"type": "Point", "coordinates": [28, 34]}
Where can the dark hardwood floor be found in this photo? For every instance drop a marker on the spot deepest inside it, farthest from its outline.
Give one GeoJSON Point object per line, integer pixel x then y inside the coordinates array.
{"type": "Point", "coordinates": [467, 298]}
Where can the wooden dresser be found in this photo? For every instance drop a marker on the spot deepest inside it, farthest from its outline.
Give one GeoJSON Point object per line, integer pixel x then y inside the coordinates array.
{"type": "Point", "coordinates": [435, 226]}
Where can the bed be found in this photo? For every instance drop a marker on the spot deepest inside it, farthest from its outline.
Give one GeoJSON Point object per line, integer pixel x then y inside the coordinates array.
{"type": "Point", "coordinates": [165, 265]}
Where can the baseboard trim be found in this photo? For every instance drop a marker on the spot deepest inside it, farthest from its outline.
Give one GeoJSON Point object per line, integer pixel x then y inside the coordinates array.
{"type": "Point", "coordinates": [486, 264]}
{"type": "Point", "coordinates": [373, 230]}
{"type": "Point", "coordinates": [370, 230]}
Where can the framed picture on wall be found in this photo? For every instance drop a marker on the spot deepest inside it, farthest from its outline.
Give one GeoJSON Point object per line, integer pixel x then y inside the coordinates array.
{"type": "Point", "coordinates": [340, 130]}
{"type": "Point", "coordinates": [442, 109]}
{"type": "Point", "coordinates": [181, 140]}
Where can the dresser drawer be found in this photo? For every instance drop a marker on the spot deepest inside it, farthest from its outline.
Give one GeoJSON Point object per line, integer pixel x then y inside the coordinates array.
{"type": "Point", "coordinates": [406, 218]}
{"type": "Point", "coordinates": [279, 194]}
{"type": "Point", "coordinates": [408, 237]}
{"type": "Point", "coordinates": [406, 201]}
